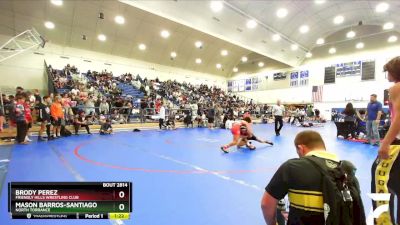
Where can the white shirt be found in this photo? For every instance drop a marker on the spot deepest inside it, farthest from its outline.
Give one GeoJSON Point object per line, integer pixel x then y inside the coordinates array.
{"type": "Point", "coordinates": [162, 112]}
{"type": "Point", "coordinates": [278, 110]}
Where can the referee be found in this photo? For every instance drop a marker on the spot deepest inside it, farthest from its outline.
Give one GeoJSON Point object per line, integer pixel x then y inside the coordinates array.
{"type": "Point", "coordinates": [277, 111]}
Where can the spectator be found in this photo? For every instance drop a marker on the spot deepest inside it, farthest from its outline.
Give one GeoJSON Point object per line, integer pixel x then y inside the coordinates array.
{"type": "Point", "coordinates": [89, 106]}
{"type": "Point", "coordinates": [28, 116]}
{"type": "Point", "coordinates": [373, 115]}
{"type": "Point", "coordinates": [106, 127]}
{"type": "Point", "coordinates": [57, 116]}
{"type": "Point", "coordinates": [44, 117]}
{"type": "Point", "coordinates": [117, 118]}
{"type": "Point", "coordinates": [211, 116]}
{"type": "Point", "coordinates": [19, 90]}
{"type": "Point", "coordinates": [20, 119]}
{"type": "Point", "coordinates": [81, 121]}
{"type": "Point", "coordinates": [104, 107]}
{"type": "Point", "coordinates": [350, 119]}
{"type": "Point", "coordinates": [143, 106]}
{"type": "Point", "coordinates": [36, 94]}
{"type": "Point", "coordinates": [1, 117]}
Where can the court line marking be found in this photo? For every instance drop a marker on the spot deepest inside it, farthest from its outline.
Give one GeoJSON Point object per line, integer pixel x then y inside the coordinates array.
{"type": "Point", "coordinates": [196, 169]}
{"type": "Point", "coordinates": [77, 175]}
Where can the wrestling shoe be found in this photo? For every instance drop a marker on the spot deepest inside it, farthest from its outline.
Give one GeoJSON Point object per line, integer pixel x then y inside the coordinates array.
{"type": "Point", "coordinates": [224, 149]}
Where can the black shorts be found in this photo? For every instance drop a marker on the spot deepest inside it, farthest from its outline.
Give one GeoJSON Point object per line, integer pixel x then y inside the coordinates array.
{"type": "Point", "coordinates": [211, 120]}
{"type": "Point", "coordinates": [252, 138]}
{"type": "Point", "coordinates": [56, 122]}
{"type": "Point", "coordinates": [42, 120]}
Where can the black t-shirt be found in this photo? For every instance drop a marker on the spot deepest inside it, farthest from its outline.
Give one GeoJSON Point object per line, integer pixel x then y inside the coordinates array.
{"type": "Point", "coordinates": [105, 126]}
{"type": "Point", "coordinates": [302, 182]}
{"type": "Point", "coordinates": [44, 111]}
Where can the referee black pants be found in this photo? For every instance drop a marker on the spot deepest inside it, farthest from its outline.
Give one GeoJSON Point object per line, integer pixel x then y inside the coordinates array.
{"type": "Point", "coordinates": [161, 123]}
{"type": "Point", "coordinates": [278, 124]}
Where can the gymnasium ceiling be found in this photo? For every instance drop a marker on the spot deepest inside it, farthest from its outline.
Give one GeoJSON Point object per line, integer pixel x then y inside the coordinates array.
{"type": "Point", "coordinates": [191, 21]}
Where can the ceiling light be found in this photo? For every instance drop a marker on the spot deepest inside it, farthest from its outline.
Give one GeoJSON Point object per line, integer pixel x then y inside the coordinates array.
{"type": "Point", "coordinates": [165, 34]}
{"type": "Point", "coordinates": [224, 52]}
{"type": "Point", "coordinates": [198, 44]}
{"type": "Point", "coordinates": [351, 34]}
{"type": "Point", "coordinates": [381, 7]}
{"type": "Point", "coordinates": [276, 37]}
{"type": "Point", "coordinates": [332, 50]}
{"type": "Point", "coordinates": [281, 13]}
{"type": "Point", "coordinates": [260, 64]}
{"type": "Point", "coordinates": [173, 54]}
{"type": "Point", "coordinates": [119, 19]}
{"type": "Point", "coordinates": [235, 69]}
{"type": "Point", "coordinates": [216, 6]}
{"type": "Point", "coordinates": [102, 37]}
{"type": "Point", "coordinates": [251, 24]}
{"type": "Point", "coordinates": [219, 66]}
{"type": "Point", "coordinates": [49, 25]}
{"type": "Point", "coordinates": [244, 59]}
{"type": "Point", "coordinates": [57, 2]}
{"type": "Point", "coordinates": [338, 19]}
{"type": "Point", "coordinates": [294, 47]}
{"type": "Point", "coordinates": [320, 41]}
{"type": "Point", "coordinates": [392, 39]}
{"type": "Point", "coordinates": [142, 47]}
{"type": "Point", "coordinates": [304, 29]}
{"type": "Point", "coordinates": [319, 2]}
{"type": "Point", "coordinates": [308, 54]}
{"type": "Point", "coordinates": [388, 26]}
{"type": "Point", "coordinates": [360, 45]}
{"type": "Point", "coordinates": [198, 60]}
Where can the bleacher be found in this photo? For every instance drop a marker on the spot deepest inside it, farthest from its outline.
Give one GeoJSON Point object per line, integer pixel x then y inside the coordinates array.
{"type": "Point", "coordinates": [128, 89]}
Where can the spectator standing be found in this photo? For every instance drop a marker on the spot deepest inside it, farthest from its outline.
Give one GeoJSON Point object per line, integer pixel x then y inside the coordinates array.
{"type": "Point", "coordinates": [44, 118]}
{"type": "Point", "coordinates": [143, 106]}
{"type": "Point", "coordinates": [20, 119]}
{"type": "Point", "coordinates": [2, 113]}
{"type": "Point", "coordinates": [57, 116]}
{"type": "Point", "coordinates": [211, 116]}
{"type": "Point", "coordinates": [373, 115]}
{"type": "Point", "coordinates": [28, 116]}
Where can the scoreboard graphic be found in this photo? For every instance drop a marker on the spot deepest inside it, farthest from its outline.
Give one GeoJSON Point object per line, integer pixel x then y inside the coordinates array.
{"type": "Point", "coordinates": [70, 200]}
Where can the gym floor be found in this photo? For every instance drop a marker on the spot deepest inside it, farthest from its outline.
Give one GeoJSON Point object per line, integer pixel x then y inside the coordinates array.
{"type": "Point", "coordinates": [179, 177]}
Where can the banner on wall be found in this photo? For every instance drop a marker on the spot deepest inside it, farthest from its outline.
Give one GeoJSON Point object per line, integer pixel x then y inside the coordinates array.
{"type": "Point", "coordinates": [248, 84]}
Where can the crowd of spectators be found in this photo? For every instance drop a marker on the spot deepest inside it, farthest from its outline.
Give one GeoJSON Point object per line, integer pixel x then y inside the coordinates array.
{"type": "Point", "coordinates": [94, 98]}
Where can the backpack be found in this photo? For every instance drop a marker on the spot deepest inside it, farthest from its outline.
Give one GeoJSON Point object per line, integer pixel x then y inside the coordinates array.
{"type": "Point", "coordinates": [341, 192]}
{"type": "Point", "coordinates": [64, 132]}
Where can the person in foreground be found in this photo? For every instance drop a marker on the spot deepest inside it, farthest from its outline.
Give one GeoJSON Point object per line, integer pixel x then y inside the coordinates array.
{"type": "Point", "coordinates": [385, 170]}
{"type": "Point", "coordinates": [312, 189]}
